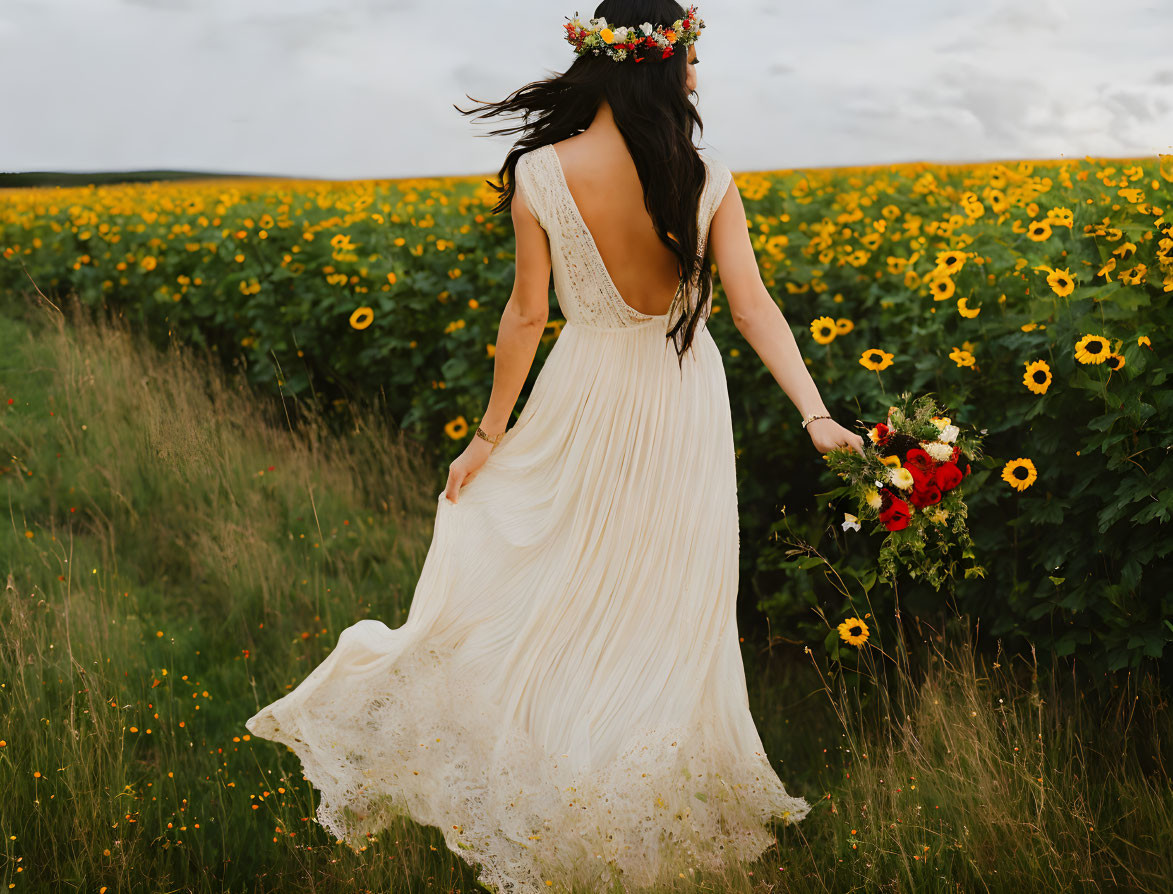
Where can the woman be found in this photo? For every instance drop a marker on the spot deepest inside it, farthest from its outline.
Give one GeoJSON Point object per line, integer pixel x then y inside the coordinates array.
{"type": "Point", "coordinates": [566, 699]}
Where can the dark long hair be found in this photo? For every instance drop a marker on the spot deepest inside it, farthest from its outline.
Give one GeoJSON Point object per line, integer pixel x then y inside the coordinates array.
{"type": "Point", "coordinates": [653, 112]}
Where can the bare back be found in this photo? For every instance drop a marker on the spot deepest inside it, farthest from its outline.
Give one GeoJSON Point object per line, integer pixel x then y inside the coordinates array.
{"type": "Point", "coordinates": [604, 184]}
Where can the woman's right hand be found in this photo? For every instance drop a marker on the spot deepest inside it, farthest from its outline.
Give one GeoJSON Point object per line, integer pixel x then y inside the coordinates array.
{"type": "Point", "coordinates": [828, 435]}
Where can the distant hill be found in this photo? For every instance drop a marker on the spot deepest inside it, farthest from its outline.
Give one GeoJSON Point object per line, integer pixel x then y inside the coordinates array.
{"type": "Point", "coordinates": [58, 178]}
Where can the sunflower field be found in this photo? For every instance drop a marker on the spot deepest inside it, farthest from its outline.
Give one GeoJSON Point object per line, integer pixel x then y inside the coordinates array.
{"type": "Point", "coordinates": [1031, 298]}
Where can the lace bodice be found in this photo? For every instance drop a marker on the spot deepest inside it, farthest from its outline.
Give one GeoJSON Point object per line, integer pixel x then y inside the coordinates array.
{"type": "Point", "coordinates": [587, 296]}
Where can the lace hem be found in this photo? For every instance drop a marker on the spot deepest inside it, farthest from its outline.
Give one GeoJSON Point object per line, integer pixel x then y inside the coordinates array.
{"type": "Point", "coordinates": [405, 737]}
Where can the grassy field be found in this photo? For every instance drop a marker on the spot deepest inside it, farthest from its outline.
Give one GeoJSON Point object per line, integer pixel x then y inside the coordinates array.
{"type": "Point", "coordinates": [177, 555]}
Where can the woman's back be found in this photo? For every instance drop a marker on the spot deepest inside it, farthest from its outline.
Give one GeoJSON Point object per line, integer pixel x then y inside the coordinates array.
{"type": "Point", "coordinates": [604, 250]}
{"type": "Point", "coordinates": [605, 185]}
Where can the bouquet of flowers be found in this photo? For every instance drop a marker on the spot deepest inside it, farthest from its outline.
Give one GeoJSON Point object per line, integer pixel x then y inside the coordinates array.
{"type": "Point", "coordinates": [910, 481]}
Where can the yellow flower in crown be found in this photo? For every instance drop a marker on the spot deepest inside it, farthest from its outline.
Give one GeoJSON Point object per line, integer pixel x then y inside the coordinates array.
{"type": "Point", "coordinates": [599, 37]}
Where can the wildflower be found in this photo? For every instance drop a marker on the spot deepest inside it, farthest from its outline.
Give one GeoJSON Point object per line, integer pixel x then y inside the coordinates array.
{"type": "Point", "coordinates": [1039, 230]}
{"type": "Point", "coordinates": [850, 521]}
{"type": "Point", "coordinates": [950, 261]}
{"type": "Point", "coordinates": [843, 326]}
{"type": "Point", "coordinates": [875, 359]}
{"type": "Point", "coordinates": [457, 428]}
{"type": "Point", "coordinates": [824, 330]}
{"type": "Point", "coordinates": [1143, 340]}
{"type": "Point", "coordinates": [962, 358]}
{"type": "Point", "coordinates": [1019, 473]}
{"type": "Point", "coordinates": [965, 310]}
{"type": "Point", "coordinates": [1061, 282]}
{"type": "Point", "coordinates": [1037, 377]}
{"type": "Point", "coordinates": [854, 632]}
{"type": "Point", "coordinates": [1115, 361]}
{"type": "Point", "coordinates": [872, 498]}
{"type": "Point", "coordinates": [942, 287]}
{"type": "Point", "coordinates": [361, 318]}
{"type": "Point", "coordinates": [1091, 349]}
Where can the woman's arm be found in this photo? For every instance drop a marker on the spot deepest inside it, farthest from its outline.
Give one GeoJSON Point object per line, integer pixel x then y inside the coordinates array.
{"type": "Point", "coordinates": [524, 318]}
{"type": "Point", "coordinates": [518, 335]}
{"type": "Point", "coordinates": [760, 320]}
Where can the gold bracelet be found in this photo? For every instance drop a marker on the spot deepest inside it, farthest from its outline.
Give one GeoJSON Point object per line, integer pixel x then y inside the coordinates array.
{"type": "Point", "coordinates": [492, 439]}
{"type": "Point", "coordinates": [811, 417]}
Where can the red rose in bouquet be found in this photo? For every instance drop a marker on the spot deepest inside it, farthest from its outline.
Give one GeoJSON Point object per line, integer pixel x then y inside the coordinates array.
{"type": "Point", "coordinates": [918, 461]}
{"type": "Point", "coordinates": [894, 513]}
{"type": "Point", "coordinates": [925, 491]}
{"type": "Point", "coordinates": [948, 476]}
{"type": "Point", "coordinates": [909, 481]}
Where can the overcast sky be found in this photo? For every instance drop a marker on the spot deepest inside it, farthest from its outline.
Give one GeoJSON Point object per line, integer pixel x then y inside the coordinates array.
{"type": "Point", "coordinates": [365, 88]}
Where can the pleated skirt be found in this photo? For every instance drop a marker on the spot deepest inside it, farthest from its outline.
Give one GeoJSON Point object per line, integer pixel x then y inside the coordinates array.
{"type": "Point", "coordinates": [566, 700]}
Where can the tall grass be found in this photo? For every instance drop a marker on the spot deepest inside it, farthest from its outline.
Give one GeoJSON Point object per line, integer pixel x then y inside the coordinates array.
{"type": "Point", "coordinates": [179, 553]}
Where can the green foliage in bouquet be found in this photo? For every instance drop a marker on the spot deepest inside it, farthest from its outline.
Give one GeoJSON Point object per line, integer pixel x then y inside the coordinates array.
{"type": "Point", "coordinates": [910, 483]}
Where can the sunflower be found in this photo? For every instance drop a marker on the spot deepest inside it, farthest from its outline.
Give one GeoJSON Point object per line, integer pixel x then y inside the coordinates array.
{"type": "Point", "coordinates": [965, 310]}
{"type": "Point", "coordinates": [1037, 377]}
{"type": "Point", "coordinates": [854, 632]}
{"type": "Point", "coordinates": [1061, 282]}
{"type": "Point", "coordinates": [1091, 349]}
{"type": "Point", "coordinates": [950, 261]}
{"type": "Point", "coordinates": [824, 330]}
{"type": "Point", "coordinates": [875, 359]}
{"type": "Point", "coordinates": [843, 326]}
{"type": "Point", "coordinates": [361, 318]}
{"type": "Point", "coordinates": [1038, 230]}
{"type": "Point", "coordinates": [1019, 473]}
{"type": "Point", "coordinates": [961, 358]}
{"type": "Point", "coordinates": [1134, 276]}
{"type": "Point", "coordinates": [1143, 340]}
{"type": "Point", "coordinates": [1115, 361]}
{"type": "Point", "coordinates": [942, 287]}
{"type": "Point", "coordinates": [457, 428]}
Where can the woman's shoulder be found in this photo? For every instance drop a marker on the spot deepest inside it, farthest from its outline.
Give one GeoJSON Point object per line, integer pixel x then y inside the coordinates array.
{"type": "Point", "coordinates": [713, 161]}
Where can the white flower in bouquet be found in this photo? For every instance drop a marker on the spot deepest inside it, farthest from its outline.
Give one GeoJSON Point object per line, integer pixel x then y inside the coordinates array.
{"type": "Point", "coordinates": [938, 451]}
{"type": "Point", "coordinates": [850, 522]}
{"type": "Point", "coordinates": [901, 477]}
{"type": "Point", "coordinates": [949, 433]}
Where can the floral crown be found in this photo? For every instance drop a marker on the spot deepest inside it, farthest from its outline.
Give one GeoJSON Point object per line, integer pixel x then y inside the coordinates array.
{"type": "Point", "coordinates": [638, 43]}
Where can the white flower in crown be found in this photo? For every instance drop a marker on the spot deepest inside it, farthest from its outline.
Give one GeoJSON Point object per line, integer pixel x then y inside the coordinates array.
{"type": "Point", "coordinates": [949, 433]}
{"type": "Point", "coordinates": [646, 28]}
{"type": "Point", "coordinates": [850, 521]}
{"type": "Point", "coordinates": [621, 33]}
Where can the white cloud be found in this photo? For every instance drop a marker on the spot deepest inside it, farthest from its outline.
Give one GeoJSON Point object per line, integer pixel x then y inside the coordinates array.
{"type": "Point", "coordinates": [355, 88]}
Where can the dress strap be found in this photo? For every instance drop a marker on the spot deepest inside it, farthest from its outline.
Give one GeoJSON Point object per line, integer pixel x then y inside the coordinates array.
{"type": "Point", "coordinates": [531, 183]}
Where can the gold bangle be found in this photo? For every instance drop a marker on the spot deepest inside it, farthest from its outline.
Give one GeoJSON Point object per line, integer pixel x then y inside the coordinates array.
{"type": "Point", "coordinates": [492, 439]}
{"type": "Point", "coordinates": [811, 417]}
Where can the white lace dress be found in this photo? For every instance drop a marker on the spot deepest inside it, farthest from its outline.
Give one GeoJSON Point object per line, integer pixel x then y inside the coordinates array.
{"type": "Point", "coordinates": [566, 699]}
